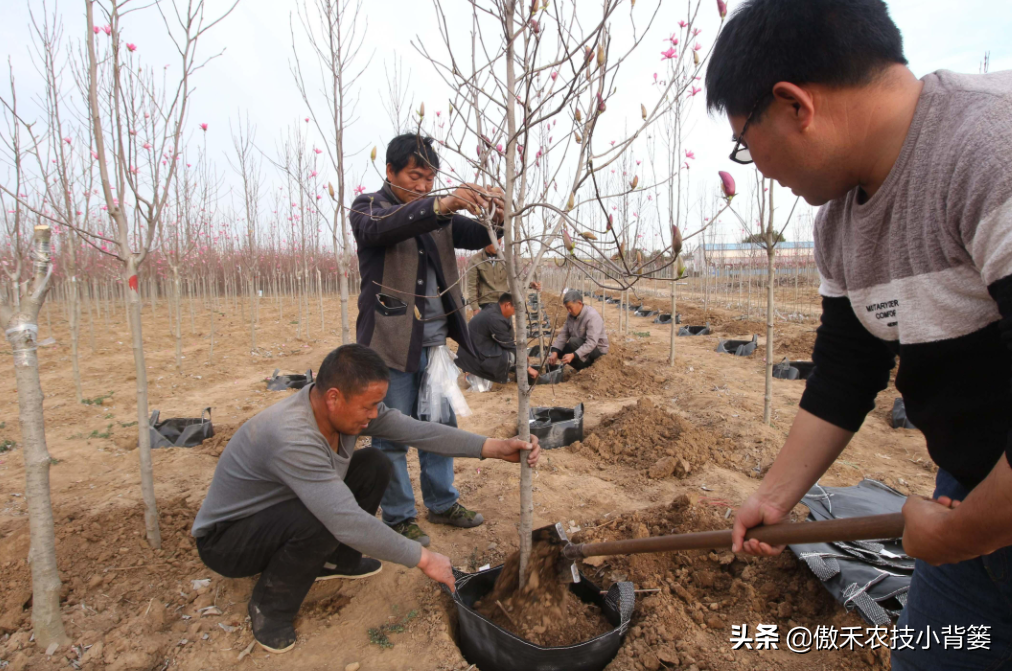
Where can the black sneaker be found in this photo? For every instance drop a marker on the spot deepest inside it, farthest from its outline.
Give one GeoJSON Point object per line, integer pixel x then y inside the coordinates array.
{"type": "Point", "coordinates": [457, 516]}
{"type": "Point", "coordinates": [365, 567]}
{"type": "Point", "coordinates": [410, 530]}
{"type": "Point", "coordinates": [276, 637]}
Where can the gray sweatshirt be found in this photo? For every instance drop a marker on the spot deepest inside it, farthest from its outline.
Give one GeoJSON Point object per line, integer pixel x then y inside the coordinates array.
{"type": "Point", "coordinates": [589, 326]}
{"type": "Point", "coordinates": [280, 454]}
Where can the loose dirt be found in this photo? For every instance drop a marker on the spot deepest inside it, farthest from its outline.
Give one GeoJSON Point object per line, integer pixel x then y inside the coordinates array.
{"type": "Point", "coordinates": [545, 611]}
{"type": "Point", "coordinates": [140, 619]}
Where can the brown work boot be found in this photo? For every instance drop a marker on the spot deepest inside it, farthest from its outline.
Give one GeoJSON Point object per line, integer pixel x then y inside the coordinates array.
{"type": "Point", "coordinates": [456, 516]}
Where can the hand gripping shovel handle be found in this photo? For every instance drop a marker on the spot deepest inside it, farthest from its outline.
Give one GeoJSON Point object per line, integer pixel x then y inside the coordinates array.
{"type": "Point", "coordinates": [871, 527]}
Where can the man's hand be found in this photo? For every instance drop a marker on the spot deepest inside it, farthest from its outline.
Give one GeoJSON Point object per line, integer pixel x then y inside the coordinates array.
{"type": "Point", "coordinates": [497, 196]}
{"type": "Point", "coordinates": [437, 567]}
{"type": "Point", "coordinates": [927, 531]}
{"type": "Point", "coordinates": [755, 511]}
{"type": "Point", "coordinates": [533, 372]}
{"type": "Point", "coordinates": [470, 197]}
{"type": "Point", "coordinates": [509, 450]}
{"type": "Point", "coordinates": [568, 358]}
{"type": "Point", "coordinates": [553, 358]}
{"type": "Point", "coordinates": [536, 286]}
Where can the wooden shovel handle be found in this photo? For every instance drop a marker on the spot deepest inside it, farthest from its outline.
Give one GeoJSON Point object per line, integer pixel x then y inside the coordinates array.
{"type": "Point", "coordinates": [871, 527]}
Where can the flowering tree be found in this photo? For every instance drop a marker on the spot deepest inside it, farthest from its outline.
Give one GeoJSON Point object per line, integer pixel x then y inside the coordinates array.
{"type": "Point", "coordinates": [137, 127]}
{"type": "Point", "coordinates": [530, 66]}
{"type": "Point", "coordinates": [331, 29]}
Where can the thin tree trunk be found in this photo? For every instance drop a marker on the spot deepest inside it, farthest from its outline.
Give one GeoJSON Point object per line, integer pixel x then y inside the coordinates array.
{"type": "Point", "coordinates": [319, 286]}
{"type": "Point", "coordinates": [152, 531]}
{"type": "Point", "coordinates": [21, 328]}
{"type": "Point", "coordinates": [252, 318]}
{"type": "Point", "coordinates": [179, 321]}
{"type": "Point", "coordinates": [770, 251]}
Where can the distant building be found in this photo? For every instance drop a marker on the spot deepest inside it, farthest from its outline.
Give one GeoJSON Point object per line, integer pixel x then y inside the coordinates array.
{"type": "Point", "coordinates": [742, 253]}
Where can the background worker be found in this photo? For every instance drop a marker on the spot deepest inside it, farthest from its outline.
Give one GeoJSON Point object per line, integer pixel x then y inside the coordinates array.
{"type": "Point", "coordinates": [491, 332]}
{"type": "Point", "coordinates": [582, 339]}
{"type": "Point", "coordinates": [486, 278]}
{"type": "Point", "coordinates": [914, 246]}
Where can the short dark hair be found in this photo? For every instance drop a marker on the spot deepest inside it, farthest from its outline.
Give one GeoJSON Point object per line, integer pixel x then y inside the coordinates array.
{"type": "Point", "coordinates": [831, 42]}
{"type": "Point", "coordinates": [505, 298]}
{"type": "Point", "coordinates": [351, 368]}
{"type": "Point", "coordinates": [411, 146]}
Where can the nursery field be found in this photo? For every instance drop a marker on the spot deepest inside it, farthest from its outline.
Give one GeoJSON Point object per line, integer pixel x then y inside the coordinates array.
{"type": "Point", "coordinates": [666, 450]}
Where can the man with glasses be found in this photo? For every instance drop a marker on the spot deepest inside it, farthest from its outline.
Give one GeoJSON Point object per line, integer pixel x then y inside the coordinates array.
{"type": "Point", "coordinates": [914, 246]}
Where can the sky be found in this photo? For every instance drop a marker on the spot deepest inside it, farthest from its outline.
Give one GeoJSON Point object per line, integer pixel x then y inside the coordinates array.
{"type": "Point", "coordinates": [252, 76]}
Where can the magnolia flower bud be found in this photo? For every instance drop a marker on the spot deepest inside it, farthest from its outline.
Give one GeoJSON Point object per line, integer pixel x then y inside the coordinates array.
{"type": "Point", "coordinates": [600, 55]}
{"type": "Point", "coordinates": [611, 220]}
{"type": "Point", "coordinates": [579, 140]}
{"type": "Point", "coordinates": [534, 6]}
{"type": "Point", "coordinates": [639, 258]}
{"type": "Point", "coordinates": [330, 189]}
{"type": "Point", "coordinates": [643, 111]}
{"type": "Point", "coordinates": [634, 182]}
{"type": "Point", "coordinates": [695, 57]}
{"type": "Point", "coordinates": [726, 184]}
{"type": "Point", "coordinates": [421, 111]}
{"type": "Point", "coordinates": [568, 242]}
{"type": "Point", "coordinates": [571, 203]}
{"type": "Point", "coordinates": [372, 155]}
{"type": "Point", "coordinates": [579, 114]}
{"type": "Point", "coordinates": [535, 26]}
{"type": "Point", "coordinates": [600, 104]}
{"type": "Point", "coordinates": [722, 8]}
{"type": "Point", "coordinates": [588, 236]}
{"type": "Point", "coordinates": [676, 241]}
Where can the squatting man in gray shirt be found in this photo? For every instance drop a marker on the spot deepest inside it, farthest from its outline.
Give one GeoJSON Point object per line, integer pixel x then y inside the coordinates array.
{"type": "Point", "coordinates": [293, 500]}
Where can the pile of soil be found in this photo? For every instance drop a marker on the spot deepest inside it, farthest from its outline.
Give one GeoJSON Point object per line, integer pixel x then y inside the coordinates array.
{"type": "Point", "coordinates": [620, 373]}
{"type": "Point", "coordinates": [544, 612]}
{"type": "Point", "coordinates": [702, 593]}
{"type": "Point", "coordinates": [125, 605]}
{"type": "Point", "coordinates": [648, 437]}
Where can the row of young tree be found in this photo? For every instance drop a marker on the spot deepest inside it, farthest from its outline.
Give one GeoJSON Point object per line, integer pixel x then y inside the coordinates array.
{"type": "Point", "coordinates": [115, 172]}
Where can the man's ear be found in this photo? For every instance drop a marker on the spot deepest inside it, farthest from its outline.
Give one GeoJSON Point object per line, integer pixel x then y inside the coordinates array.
{"type": "Point", "coordinates": [796, 101]}
{"type": "Point", "coordinates": [335, 399]}
{"type": "Point", "coordinates": [390, 172]}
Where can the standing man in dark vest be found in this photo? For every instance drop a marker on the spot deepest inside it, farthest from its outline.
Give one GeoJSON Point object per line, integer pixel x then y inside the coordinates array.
{"type": "Point", "coordinates": [411, 303]}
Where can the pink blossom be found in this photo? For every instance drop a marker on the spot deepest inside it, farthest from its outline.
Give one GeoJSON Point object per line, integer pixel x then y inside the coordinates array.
{"type": "Point", "coordinates": [307, 119]}
{"type": "Point", "coordinates": [133, 170]}
{"type": "Point", "coordinates": [318, 151]}
{"type": "Point", "coordinates": [638, 161]}
{"type": "Point", "coordinates": [555, 75]}
{"type": "Point", "coordinates": [655, 77]}
{"type": "Point", "coordinates": [722, 8]}
{"type": "Point", "coordinates": [682, 23]}
{"type": "Point", "coordinates": [438, 113]}
{"type": "Point", "coordinates": [131, 46]}
{"type": "Point", "coordinates": [695, 90]}
{"type": "Point", "coordinates": [318, 197]}
{"type": "Point", "coordinates": [107, 30]}
{"type": "Point", "coordinates": [147, 146]}
{"type": "Point", "coordinates": [313, 174]}
{"type": "Point", "coordinates": [203, 127]}
{"type": "Point", "coordinates": [67, 140]}
{"type": "Point", "coordinates": [359, 190]}
{"type": "Point", "coordinates": [673, 39]}
{"type": "Point", "coordinates": [696, 31]}
{"type": "Point", "coordinates": [690, 154]}
{"type": "Point", "coordinates": [669, 54]}
{"type": "Point", "coordinates": [96, 29]}
{"type": "Point", "coordinates": [187, 165]}
{"type": "Point", "coordinates": [697, 46]}
{"type": "Point", "coordinates": [498, 148]}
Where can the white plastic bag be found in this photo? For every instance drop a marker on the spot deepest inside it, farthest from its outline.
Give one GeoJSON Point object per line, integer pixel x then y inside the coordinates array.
{"type": "Point", "coordinates": [477, 384]}
{"type": "Point", "coordinates": [439, 392]}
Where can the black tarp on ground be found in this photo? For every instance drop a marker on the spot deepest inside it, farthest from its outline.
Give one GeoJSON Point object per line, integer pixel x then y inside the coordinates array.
{"type": "Point", "coordinates": [694, 330]}
{"type": "Point", "coordinates": [557, 427]}
{"type": "Point", "coordinates": [793, 370]}
{"type": "Point", "coordinates": [870, 576]}
{"type": "Point", "coordinates": [281, 382]}
{"type": "Point", "coordinates": [738, 347]}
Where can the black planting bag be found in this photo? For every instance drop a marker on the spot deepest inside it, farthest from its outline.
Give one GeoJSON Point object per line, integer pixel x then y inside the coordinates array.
{"type": "Point", "coordinates": [492, 648]}
{"type": "Point", "coordinates": [281, 382]}
{"type": "Point", "coordinates": [738, 347]}
{"type": "Point", "coordinates": [180, 432]}
{"type": "Point", "coordinates": [793, 370]}
{"type": "Point", "coordinates": [694, 330]}
{"type": "Point", "coordinates": [557, 427]}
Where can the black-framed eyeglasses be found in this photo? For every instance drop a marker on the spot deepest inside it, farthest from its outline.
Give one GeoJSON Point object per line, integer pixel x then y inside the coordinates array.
{"type": "Point", "coordinates": [741, 154]}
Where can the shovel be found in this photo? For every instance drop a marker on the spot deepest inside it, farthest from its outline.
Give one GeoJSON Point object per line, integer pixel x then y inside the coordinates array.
{"type": "Point", "coordinates": [870, 527]}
